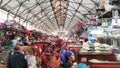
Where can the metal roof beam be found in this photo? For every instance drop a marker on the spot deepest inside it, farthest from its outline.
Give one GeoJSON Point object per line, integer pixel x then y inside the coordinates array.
{"type": "Point", "coordinates": [49, 20]}
{"type": "Point", "coordinates": [85, 7]}
{"type": "Point", "coordinates": [27, 17]}
{"type": "Point", "coordinates": [33, 6]}
{"type": "Point", "coordinates": [6, 3]}
{"type": "Point", "coordinates": [14, 14]}
{"type": "Point", "coordinates": [17, 10]}
{"type": "Point", "coordinates": [40, 17]}
{"type": "Point", "coordinates": [49, 27]}
{"type": "Point", "coordinates": [75, 12]}
{"type": "Point", "coordinates": [26, 9]}
{"type": "Point", "coordinates": [66, 13]}
{"type": "Point", "coordinates": [41, 22]}
{"type": "Point", "coordinates": [1, 2]}
{"type": "Point", "coordinates": [37, 14]}
{"type": "Point", "coordinates": [30, 9]}
{"type": "Point", "coordinates": [54, 14]}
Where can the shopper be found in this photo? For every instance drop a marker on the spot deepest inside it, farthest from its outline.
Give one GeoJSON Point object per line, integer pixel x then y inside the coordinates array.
{"type": "Point", "coordinates": [20, 48]}
{"type": "Point", "coordinates": [31, 59]}
{"type": "Point", "coordinates": [17, 60]}
{"type": "Point", "coordinates": [67, 59]}
{"type": "Point", "coordinates": [54, 61]}
{"type": "Point", "coordinates": [43, 58]}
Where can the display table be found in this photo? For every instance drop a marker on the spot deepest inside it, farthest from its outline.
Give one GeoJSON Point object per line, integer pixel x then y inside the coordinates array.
{"type": "Point", "coordinates": [87, 57]}
{"type": "Point", "coordinates": [76, 50]}
{"type": "Point", "coordinates": [105, 65]}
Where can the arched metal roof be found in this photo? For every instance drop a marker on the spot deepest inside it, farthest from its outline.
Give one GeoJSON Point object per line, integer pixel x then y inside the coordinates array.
{"type": "Point", "coordinates": [51, 15]}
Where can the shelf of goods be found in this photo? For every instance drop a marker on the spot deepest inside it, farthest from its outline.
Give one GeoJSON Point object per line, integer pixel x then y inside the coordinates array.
{"type": "Point", "coordinates": [97, 48]}
{"type": "Point", "coordinates": [96, 51]}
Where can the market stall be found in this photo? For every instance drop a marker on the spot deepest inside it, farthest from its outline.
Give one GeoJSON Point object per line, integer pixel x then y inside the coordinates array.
{"type": "Point", "coordinates": [89, 30]}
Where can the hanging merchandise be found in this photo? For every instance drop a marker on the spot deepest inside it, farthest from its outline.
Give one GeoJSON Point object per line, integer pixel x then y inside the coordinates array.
{"type": "Point", "coordinates": [17, 26]}
{"type": "Point", "coordinates": [95, 22]}
{"type": "Point", "coordinates": [98, 22]}
{"type": "Point", "coordinates": [27, 32]}
{"type": "Point", "coordinates": [9, 23]}
{"type": "Point", "coordinates": [116, 21]}
{"type": "Point", "coordinates": [69, 37]}
{"type": "Point", "coordinates": [1, 33]}
{"type": "Point", "coordinates": [2, 25]}
{"type": "Point", "coordinates": [80, 31]}
{"type": "Point", "coordinates": [116, 14]}
{"type": "Point", "coordinates": [105, 23]}
{"type": "Point", "coordinates": [115, 24]}
{"type": "Point", "coordinates": [91, 39]}
{"type": "Point", "coordinates": [79, 24]}
{"type": "Point", "coordinates": [91, 21]}
{"type": "Point", "coordinates": [13, 24]}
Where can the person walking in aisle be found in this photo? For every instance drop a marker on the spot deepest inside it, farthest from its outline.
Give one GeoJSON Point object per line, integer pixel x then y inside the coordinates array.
{"type": "Point", "coordinates": [17, 60]}
{"type": "Point", "coordinates": [31, 59]}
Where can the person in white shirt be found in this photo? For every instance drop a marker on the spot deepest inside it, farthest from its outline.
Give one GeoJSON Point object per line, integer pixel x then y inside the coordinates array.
{"type": "Point", "coordinates": [31, 59]}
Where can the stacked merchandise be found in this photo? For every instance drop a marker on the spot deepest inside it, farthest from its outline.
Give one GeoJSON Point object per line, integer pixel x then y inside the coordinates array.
{"type": "Point", "coordinates": [96, 48]}
{"type": "Point", "coordinates": [85, 48]}
{"type": "Point", "coordinates": [102, 48]}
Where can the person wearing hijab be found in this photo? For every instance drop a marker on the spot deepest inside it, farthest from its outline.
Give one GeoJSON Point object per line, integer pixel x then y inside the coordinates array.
{"type": "Point", "coordinates": [67, 58]}
{"type": "Point", "coordinates": [31, 59]}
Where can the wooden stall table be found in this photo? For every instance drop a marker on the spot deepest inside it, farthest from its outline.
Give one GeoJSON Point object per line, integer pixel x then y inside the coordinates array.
{"type": "Point", "coordinates": [105, 65]}
{"type": "Point", "coordinates": [77, 47]}
{"type": "Point", "coordinates": [108, 57]}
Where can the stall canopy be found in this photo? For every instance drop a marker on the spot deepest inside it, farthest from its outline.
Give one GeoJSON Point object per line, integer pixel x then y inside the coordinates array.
{"type": "Point", "coordinates": [51, 15]}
